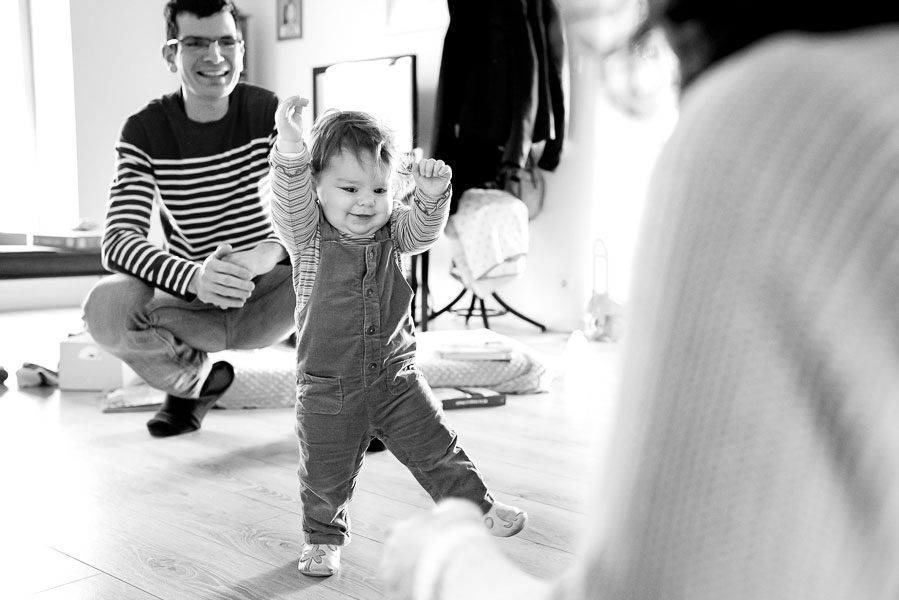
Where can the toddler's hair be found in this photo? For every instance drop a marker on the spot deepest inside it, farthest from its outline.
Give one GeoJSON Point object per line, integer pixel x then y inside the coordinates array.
{"type": "Point", "coordinates": [339, 131]}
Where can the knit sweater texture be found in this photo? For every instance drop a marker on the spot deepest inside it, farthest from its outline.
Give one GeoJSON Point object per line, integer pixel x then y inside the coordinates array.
{"type": "Point", "coordinates": [757, 448]}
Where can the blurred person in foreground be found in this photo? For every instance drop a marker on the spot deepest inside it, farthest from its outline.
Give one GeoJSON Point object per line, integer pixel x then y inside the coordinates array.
{"type": "Point", "coordinates": [757, 445]}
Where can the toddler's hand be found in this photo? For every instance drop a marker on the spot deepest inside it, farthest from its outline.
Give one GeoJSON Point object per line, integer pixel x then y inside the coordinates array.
{"type": "Point", "coordinates": [289, 119]}
{"type": "Point", "coordinates": [432, 177]}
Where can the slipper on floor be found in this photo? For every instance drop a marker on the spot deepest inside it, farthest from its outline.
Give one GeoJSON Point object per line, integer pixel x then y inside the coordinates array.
{"type": "Point", "coordinates": [32, 375]}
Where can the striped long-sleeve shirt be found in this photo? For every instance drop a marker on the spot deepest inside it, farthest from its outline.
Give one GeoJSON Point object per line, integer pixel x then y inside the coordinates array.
{"type": "Point", "coordinates": [296, 213]}
{"type": "Point", "coordinates": [210, 179]}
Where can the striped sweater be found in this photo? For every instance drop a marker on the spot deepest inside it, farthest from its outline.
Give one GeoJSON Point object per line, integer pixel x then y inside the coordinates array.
{"type": "Point", "coordinates": [210, 180]}
{"type": "Point", "coordinates": [296, 213]}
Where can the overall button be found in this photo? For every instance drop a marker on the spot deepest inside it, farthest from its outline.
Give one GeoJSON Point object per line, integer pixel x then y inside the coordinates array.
{"type": "Point", "coordinates": [371, 253]}
{"type": "Point", "coordinates": [371, 329]}
{"type": "Point", "coordinates": [372, 366]}
{"type": "Point", "coordinates": [369, 292]}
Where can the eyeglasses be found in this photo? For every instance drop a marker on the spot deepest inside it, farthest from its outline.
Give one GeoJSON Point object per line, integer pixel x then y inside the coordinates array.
{"type": "Point", "coordinates": [194, 43]}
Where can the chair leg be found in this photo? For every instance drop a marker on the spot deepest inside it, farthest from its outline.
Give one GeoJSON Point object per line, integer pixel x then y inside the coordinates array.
{"type": "Point", "coordinates": [484, 313]}
{"type": "Point", "coordinates": [448, 306]}
{"type": "Point", "coordinates": [516, 313]}
{"type": "Point", "coordinates": [471, 308]}
{"type": "Point", "coordinates": [477, 305]}
{"type": "Point", "coordinates": [417, 295]}
{"type": "Point", "coordinates": [425, 289]}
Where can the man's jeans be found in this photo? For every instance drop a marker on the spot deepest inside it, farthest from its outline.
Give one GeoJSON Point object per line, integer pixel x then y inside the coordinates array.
{"type": "Point", "coordinates": [165, 339]}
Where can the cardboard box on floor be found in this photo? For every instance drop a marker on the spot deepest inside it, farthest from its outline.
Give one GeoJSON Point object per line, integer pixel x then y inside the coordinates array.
{"type": "Point", "coordinates": [84, 366]}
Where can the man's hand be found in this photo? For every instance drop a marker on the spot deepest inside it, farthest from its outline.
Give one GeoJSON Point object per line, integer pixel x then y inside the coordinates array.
{"type": "Point", "coordinates": [221, 282]}
{"type": "Point", "coordinates": [258, 260]}
{"type": "Point", "coordinates": [289, 121]}
{"type": "Point", "coordinates": [432, 177]}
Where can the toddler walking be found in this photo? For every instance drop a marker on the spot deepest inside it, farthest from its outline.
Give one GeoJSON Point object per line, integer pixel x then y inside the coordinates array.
{"type": "Point", "coordinates": [337, 213]}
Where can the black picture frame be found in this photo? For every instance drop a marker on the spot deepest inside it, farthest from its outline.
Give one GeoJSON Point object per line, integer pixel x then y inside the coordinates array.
{"type": "Point", "coordinates": [289, 19]}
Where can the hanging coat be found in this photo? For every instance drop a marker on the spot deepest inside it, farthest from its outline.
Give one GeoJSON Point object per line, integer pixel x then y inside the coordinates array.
{"type": "Point", "coordinates": [502, 87]}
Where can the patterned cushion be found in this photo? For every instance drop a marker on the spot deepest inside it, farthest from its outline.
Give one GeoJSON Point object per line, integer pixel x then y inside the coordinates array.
{"type": "Point", "coordinates": [266, 378]}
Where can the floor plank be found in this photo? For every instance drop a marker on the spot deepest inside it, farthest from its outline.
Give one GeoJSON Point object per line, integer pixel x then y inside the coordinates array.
{"type": "Point", "coordinates": [38, 568]}
{"type": "Point", "coordinates": [94, 588]}
{"type": "Point", "coordinates": [99, 509]}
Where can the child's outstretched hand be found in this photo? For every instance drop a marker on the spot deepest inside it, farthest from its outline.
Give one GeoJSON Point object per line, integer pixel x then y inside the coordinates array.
{"type": "Point", "coordinates": [432, 176]}
{"type": "Point", "coordinates": [289, 119]}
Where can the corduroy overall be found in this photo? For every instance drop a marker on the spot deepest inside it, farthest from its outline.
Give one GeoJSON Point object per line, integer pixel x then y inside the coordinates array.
{"type": "Point", "coordinates": [356, 378]}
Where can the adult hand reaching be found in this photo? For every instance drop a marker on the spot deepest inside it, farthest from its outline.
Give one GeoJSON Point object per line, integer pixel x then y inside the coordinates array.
{"type": "Point", "coordinates": [221, 282]}
{"type": "Point", "coordinates": [411, 565]}
{"type": "Point", "coordinates": [449, 554]}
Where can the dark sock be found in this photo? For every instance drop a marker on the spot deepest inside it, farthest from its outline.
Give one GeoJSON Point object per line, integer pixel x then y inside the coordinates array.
{"type": "Point", "coordinates": [183, 415]}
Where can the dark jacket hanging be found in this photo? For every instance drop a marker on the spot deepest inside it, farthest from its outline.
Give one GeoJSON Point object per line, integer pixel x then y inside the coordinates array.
{"type": "Point", "coordinates": [501, 88]}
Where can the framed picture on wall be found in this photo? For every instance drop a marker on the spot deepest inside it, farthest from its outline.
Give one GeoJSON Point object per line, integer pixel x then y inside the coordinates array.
{"type": "Point", "coordinates": [290, 19]}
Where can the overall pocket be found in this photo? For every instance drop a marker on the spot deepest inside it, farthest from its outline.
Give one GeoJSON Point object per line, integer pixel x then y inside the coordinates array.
{"type": "Point", "coordinates": [320, 395]}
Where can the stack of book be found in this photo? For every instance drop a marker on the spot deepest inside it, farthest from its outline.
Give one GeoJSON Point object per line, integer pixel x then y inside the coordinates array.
{"type": "Point", "coordinates": [468, 397]}
{"type": "Point", "coordinates": [483, 350]}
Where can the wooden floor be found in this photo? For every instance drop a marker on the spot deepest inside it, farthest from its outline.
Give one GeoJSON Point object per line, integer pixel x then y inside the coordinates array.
{"type": "Point", "coordinates": [95, 508]}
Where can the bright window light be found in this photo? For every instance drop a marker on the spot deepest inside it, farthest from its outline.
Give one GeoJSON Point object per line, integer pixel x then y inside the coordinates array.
{"type": "Point", "coordinates": [17, 153]}
{"type": "Point", "coordinates": [38, 158]}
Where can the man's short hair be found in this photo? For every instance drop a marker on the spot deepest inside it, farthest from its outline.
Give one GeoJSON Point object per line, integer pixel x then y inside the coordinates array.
{"type": "Point", "coordinates": [200, 8]}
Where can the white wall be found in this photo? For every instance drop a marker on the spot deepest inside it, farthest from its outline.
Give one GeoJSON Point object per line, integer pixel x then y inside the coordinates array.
{"type": "Point", "coordinates": [596, 191]}
{"type": "Point", "coordinates": [339, 30]}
